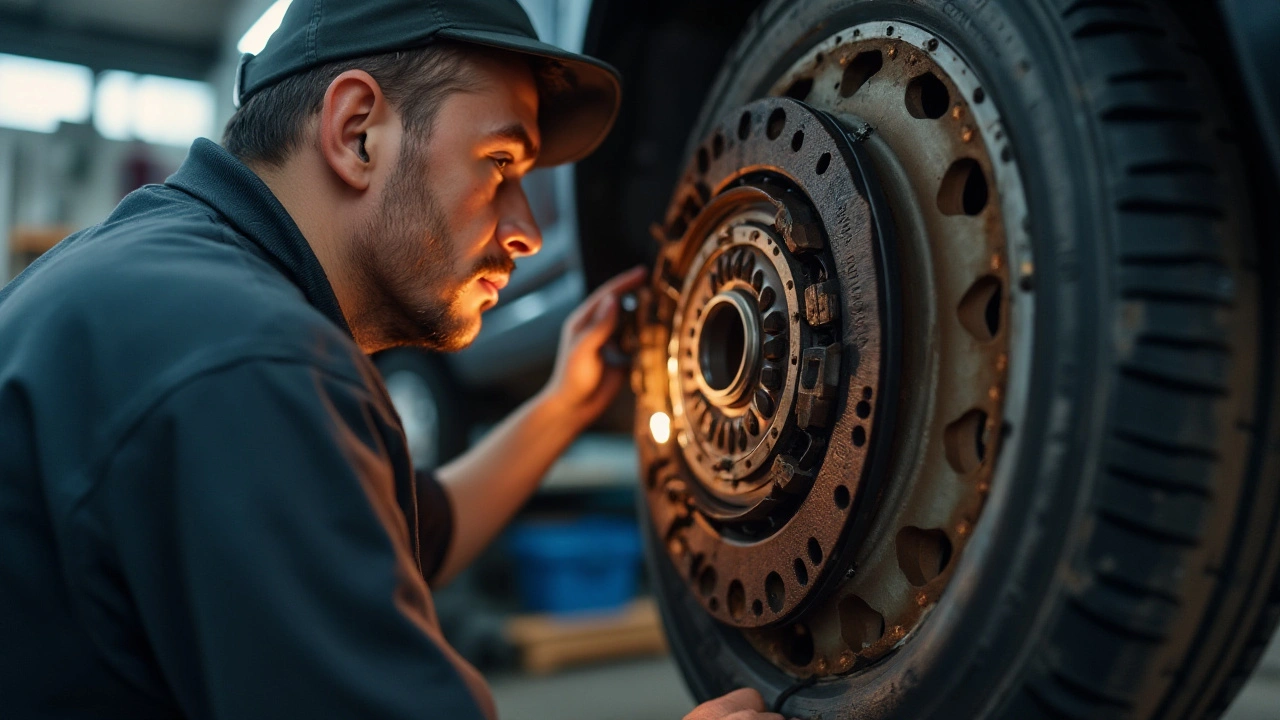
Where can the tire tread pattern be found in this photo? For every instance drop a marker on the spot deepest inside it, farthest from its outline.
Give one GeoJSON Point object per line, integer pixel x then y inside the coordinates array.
{"type": "Point", "coordinates": [1169, 160]}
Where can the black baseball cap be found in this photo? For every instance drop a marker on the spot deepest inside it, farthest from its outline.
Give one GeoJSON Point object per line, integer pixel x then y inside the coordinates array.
{"type": "Point", "coordinates": [578, 99]}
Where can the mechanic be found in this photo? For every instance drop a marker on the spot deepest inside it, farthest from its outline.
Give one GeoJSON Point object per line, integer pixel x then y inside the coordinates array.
{"type": "Point", "coordinates": [207, 507]}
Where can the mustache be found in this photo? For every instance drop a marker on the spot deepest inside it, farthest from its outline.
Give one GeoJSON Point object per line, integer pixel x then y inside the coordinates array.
{"type": "Point", "coordinates": [494, 265]}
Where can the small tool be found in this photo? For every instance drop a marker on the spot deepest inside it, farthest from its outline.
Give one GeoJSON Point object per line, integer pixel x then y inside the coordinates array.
{"type": "Point", "coordinates": [623, 343]}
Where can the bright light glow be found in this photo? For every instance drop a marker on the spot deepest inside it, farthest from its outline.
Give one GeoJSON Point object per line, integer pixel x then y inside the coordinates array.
{"type": "Point", "coordinates": [660, 427]}
{"type": "Point", "coordinates": [113, 105]}
{"type": "Point", "coordinates": [258, 34]}
{"type": "Point", "coordinates": [153, 109]}
{"type": "Point", "coordinates": [171, 111]}
{"type": "Point", "coordinates": [37, 95]}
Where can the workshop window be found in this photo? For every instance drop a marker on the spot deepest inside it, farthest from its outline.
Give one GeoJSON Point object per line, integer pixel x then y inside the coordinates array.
{"type": "Point", "coordinates": [38, 95]}
{"type": "Point", "coordinates": [154, 109]}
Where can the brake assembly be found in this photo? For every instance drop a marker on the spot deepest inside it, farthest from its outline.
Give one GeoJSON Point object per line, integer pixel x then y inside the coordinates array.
{"type": "Point", "coordinates": [765, 350]}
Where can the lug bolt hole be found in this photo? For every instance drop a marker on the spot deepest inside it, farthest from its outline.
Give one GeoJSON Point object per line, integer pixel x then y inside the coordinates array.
{"type": "Point", "coordinates": [800, 89]}
{"type": "Point", "coordinates": [842, 497]}
{"type": "Point", "coordinates": [775, 591]}
{"type": "Point", "coordinates": [777, 121]}
{"type": "Point", "coordinates": [815, 552]}
{"type": "Point", "coordinates": [859, 436]}
{"type": "Point", "coordinates": [736, 600]}
{"type": "Point", "coordinates": [964, 189]}
{"type": "Point", "coordinates": [707, 581]}
{"type": "Point", "coordinates": [824, 162]}
{"type": "Point", "coordinates": [797, 141]}
{"type": "Point", "coordinates": [966, 442]}
{"type": "Point", "coordinates": [927, 97]}
{"type": "Point", "coordinates": [800, 646]}
{"type": "Point", "coordinates": [859, 71]}
{"type": "Point", "coordinates": [802, 572]}
{"type": "Point", "coordinates": [744, 126]}
{"type": "Point", "coordinates": [922, 554]}
{"type": "Point", "coordinates": [979, 309]}
{"type": "Point", "coordinates": [860, 624]}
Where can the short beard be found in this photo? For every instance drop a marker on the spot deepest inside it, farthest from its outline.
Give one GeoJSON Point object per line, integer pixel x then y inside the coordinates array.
{"type": "Point", "coordinates": [401, 251]}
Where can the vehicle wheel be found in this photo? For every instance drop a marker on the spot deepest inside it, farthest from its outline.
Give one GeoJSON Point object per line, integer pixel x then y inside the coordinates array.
{"type": "Point", "coordinates": [956, 392]}
{"type": "Point", "coordinates": [435, 424]}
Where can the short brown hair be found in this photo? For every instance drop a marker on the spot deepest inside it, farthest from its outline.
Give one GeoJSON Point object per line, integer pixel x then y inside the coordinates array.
{"type": "Point", "coordinates": [271, 124]}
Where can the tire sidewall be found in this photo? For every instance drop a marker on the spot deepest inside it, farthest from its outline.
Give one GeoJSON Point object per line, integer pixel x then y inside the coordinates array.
{"type": "Point", "coordinates": [971, 649]}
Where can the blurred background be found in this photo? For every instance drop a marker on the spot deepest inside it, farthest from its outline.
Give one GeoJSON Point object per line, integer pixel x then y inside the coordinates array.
{"type": "Point", "coordinates": [99, 98]}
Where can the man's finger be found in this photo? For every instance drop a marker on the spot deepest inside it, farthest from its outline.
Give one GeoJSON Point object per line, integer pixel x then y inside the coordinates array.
{"type": "Point", "coordinates": [746, 700]}
{"type": "Point", "coordinates": [752, 715]}
{"type": "Point", "coordinates": [623, 282]}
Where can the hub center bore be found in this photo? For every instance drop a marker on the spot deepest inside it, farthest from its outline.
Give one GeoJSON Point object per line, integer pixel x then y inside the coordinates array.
{"type": "Point", "coordinates": [729, 348]}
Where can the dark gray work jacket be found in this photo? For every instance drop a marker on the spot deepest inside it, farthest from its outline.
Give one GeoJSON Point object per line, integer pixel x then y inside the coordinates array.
{"type": "Point", "coordinates": [207, 508]}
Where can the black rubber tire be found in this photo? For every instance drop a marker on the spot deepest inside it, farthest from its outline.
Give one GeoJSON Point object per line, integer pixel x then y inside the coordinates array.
{"type": "Point", "coordinates": [453, 424]}
{"type": "Point", "coordinates": [1133, 570]}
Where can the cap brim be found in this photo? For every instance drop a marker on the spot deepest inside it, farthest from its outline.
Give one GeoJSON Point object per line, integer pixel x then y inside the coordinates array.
{"type": "Point", "coordinates": [579, 96]}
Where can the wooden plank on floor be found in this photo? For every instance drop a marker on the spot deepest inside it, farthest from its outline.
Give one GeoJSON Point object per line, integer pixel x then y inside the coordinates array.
{"type": "Point", "coordinates": [550, 642]}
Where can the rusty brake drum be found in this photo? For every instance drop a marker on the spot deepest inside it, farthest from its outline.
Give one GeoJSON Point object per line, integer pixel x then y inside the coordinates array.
{"type": "Point", "coordinates": [767, 346]}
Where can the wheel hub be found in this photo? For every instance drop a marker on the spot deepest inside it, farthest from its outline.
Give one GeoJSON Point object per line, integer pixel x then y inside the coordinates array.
{"type": "Point", "coordinates": [760, 354]}
{"type": "Point", "coordinates": [826, 545]}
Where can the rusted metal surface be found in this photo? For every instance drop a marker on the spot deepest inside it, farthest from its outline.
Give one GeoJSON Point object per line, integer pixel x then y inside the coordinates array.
{"type": "Point", "coordinates": [756, 491]}
{"type": "Point", "coordinates": [890, 502]}
{"type": "Point", "coordinates": [941, 157]}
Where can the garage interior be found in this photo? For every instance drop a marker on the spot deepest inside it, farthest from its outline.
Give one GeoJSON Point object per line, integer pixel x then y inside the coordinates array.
{"type": "Point", "coordinates": [98, 99]}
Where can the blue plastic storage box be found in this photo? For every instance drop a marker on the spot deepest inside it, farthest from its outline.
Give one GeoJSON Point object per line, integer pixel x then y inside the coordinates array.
{"type": "Point", "coordinates": [568, 566]}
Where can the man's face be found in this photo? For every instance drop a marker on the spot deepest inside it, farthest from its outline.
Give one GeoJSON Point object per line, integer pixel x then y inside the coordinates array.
{"type": "Point", "coordinates": [453, 217]}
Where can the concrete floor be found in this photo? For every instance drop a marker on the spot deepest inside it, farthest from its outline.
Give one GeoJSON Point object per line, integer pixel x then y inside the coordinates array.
{"type": "Point", "coordinates": [651, 689]}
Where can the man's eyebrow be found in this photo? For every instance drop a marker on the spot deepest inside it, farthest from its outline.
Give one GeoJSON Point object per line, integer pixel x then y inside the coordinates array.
{"type": "Point", "coordinates": [516, 133]}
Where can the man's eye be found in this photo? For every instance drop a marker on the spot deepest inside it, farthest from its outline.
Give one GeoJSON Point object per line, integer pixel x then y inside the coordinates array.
{"type": "Point", "coordinates": [501, 162]}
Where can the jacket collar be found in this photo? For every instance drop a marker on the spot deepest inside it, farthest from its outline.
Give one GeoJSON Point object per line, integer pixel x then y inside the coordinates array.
{"type": "Point", "coordinates": [217, 178]}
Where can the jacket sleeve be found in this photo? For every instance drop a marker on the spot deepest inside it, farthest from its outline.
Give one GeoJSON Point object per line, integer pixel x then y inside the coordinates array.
{"type": "Point", "coordinates": [435, 523]}
{"type": "Point", "coordinates": [258, 533]}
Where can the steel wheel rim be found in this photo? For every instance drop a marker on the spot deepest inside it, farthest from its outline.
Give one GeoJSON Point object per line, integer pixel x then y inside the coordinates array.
{"type": "Point", "coordinates": [1009, 274]}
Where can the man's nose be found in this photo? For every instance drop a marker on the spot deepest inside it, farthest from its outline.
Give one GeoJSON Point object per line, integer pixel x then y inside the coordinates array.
{"type": "Point", "coordinates": [517, 230]}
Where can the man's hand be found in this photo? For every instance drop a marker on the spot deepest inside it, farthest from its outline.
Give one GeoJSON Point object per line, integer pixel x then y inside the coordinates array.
{"type": "Point", "coordinates": [582, 383]}
{"type": "Point", "coordinates": [744, 704]}
{"type": "Point", "coordinates": [489, 483]}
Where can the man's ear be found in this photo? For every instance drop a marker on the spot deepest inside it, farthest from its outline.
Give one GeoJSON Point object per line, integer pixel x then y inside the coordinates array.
{"type": "Point", "coordinates": [352, 133]}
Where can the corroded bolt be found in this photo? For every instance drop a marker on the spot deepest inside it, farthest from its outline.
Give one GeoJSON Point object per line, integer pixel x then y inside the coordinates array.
{"type": "Point", "coordinates": [787, 476]}
{"type": "Point", "coordinates": [799, 228]}
{"type": "Point", "coordinates": [821, 303]}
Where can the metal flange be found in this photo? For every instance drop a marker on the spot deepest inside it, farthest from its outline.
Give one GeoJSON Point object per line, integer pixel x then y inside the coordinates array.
{"type": "Point", "coordinates": [770, 323]}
